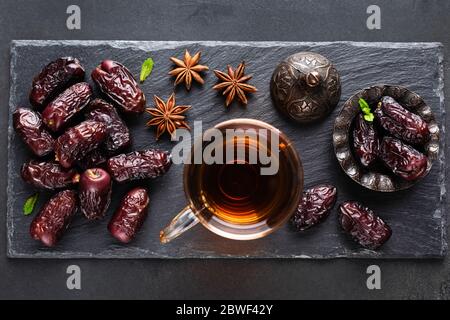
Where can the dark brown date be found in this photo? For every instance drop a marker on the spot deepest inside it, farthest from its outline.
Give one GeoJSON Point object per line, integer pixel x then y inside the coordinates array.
{"type": "Point", "coordinates": [135, 165]}
{"type": "Point", "coordinates": [365, 141]}
{"type": "Point", "coordinates": [54, 218]}
{"type": "Point", "coordinates": [28, 124]}
{"type": "Point", "coordinates": [401, 123]}
{"type": "Point", "coordinates": [78, 141]}
{"type": "Point", "coordinates": [118, 133]}
{"type": "Point", "coordinates": [58, 112]}
{"type": "Point", "coordinates": [117, 82]}
{"type": "Point", "coordinates": [93, 159]}
{"type": "Point", "coordinates": [314, 206]}
{"type": "Point", "coordinates": [363, 225]}
{"type": "Point", "coordinates": [402, 159]}
{"type": "Point", "coordinates": [95, 193]}
{"type": "Point", "coordinates": [130, 215]}
{"type": "Point", "coordinates": [53, 79]}
{"type": "Point", "coordinates": [48, 175]}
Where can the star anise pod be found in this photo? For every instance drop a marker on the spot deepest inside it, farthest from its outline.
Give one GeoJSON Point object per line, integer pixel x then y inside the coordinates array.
{"type": "Point", "coordinates": [233, 84]}
{"type": "Point", "coordinates": [167, 116]}
{"type": "Point", "coordinates": [188, 69]}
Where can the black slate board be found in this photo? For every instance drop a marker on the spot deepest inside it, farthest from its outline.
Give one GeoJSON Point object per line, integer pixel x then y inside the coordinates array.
{"type": "Point", "coordinates": [416, 216]}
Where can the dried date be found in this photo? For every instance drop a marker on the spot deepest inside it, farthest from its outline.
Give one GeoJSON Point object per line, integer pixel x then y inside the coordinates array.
{"type": "Point", "coordinates": [117, 82]}
{"type": "Point", "coordinates": [363, 225]}
{"type": "Point", "coordinates": [365, 141]}
{"type": "Point", "coordinates": [130, 215]}
{"type": "Point", "coordinates": [54, 218]}
{"type": "Point", "coordinates": [28, 124]}
{"type": "Point", "coordinates": [48, 175]}
{"type": "Point", "coordinates": [65, 106]}
{"type": "Point", "coordinates": [54, 78]}
{"type": "Point", "coordinates": [314, 206]}
{"type": "Point", "coordinates": [402, 159]}
{"type": "Point", "coordinates": [135, 165]}
{"type": "Point", "coordinates": [95, 193]}
{"type": "Point", "coordinates": [118, 133]}
{"type": "Point", "coordinates": [401, 123]}
{"type": "Point", "coordinates": [78, 141]}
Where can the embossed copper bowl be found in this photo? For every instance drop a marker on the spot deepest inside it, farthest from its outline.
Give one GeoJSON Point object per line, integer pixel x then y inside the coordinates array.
{"type": "Point", "coordinates": [374, 180]}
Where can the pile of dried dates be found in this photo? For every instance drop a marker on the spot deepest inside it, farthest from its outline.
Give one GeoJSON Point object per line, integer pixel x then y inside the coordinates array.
{"type": "Point", "coordinates": [393, 140]}
{"type": "Point", "coordinates": [78, 142]}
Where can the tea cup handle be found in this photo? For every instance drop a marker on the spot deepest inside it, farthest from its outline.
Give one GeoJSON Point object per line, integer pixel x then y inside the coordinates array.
{"type": "Point", "coordinates": [185, 220]}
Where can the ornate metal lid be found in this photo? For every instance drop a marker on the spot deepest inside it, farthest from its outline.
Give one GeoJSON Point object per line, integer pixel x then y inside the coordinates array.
{"type": "Point", "coordinates": [305, 87]}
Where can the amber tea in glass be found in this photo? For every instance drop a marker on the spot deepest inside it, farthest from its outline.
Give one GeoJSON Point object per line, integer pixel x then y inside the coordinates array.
{"type": "Point", "coordinates": [249, 194]}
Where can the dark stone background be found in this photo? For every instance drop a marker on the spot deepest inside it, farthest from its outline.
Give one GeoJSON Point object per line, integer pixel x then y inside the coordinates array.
{"type": "Point", "coordinates": [218, 20]}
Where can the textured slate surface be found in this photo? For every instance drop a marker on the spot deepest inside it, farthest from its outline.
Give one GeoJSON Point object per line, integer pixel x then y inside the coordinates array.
{"type": "Point", "coordinates": [416, 216]}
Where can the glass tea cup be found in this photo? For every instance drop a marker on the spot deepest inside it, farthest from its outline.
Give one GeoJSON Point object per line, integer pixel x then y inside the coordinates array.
{"type": "Point", "coordinates": [243, 181]}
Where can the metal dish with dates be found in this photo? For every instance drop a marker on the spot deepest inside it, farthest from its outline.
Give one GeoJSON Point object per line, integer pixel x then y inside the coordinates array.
{"type": "Point", "coordinates": [378, 177]}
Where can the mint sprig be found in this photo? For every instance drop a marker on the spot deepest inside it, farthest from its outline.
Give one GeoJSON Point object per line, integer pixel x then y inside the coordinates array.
{"type": "Point", "coordinates": [146, 69]}
{"type": "Point", "coordinates": [29, 204]}
{"type": "Point", "coordinates": [365, 108]}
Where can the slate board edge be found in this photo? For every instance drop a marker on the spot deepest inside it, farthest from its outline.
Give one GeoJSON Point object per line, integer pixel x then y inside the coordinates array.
{"type": "Point", "coordinates": [363, 254]}
{"type": "Point", "coordinates": [9, 183]}
{"type": "Point", "coordinates": [443, 139]}
{"type": "Point", "coordinates": [155, 45]}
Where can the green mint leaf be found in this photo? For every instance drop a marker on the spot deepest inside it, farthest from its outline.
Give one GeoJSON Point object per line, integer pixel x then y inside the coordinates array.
{"type": "Point", "coordinates": [363, 104]}
{"type": "Point", "coordinates": [28, 207]}
{"type": "Point", "coordinates": [365, 108]}
{"type": "Point", "coordinates": [369, 117]}
{"type": "Point", "coordinates": [146, 69]}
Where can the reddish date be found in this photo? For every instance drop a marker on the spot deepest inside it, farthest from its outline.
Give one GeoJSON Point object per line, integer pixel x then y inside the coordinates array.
{"type": "Point", "coordinates": [118, 133]}
{"type": "Point", "coordinates": [58, 112]}
{"type": "Point", "coordinates": [314, 206]}
{"type": "Point", "coordinates": [135, 165]}
{"type": "Point", "coordinates": [402, 159]}
{"type": "Point", "coordinates": [53, 78]}
{"type": "Point", "coordinates": [369, 230]}
{"type": "Point", "coordinates": [95, 193]}
{"type": "Point", "coordinates": [48, 175]}
{"type": "Point", "coordinates": [117, 82]}
{"type": "Point", "coordinates": [28, 124]}
{"type": "Point", "coordinates": [130, 215]}
{"type": "Point", "coordinates": [365, 141]}
{"type": "Point", "coordinates": [78, 141]}
{"type": "Point", "coordinates": [54, 218]}
{"type": "Point", "coordinates": [401, 123]}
